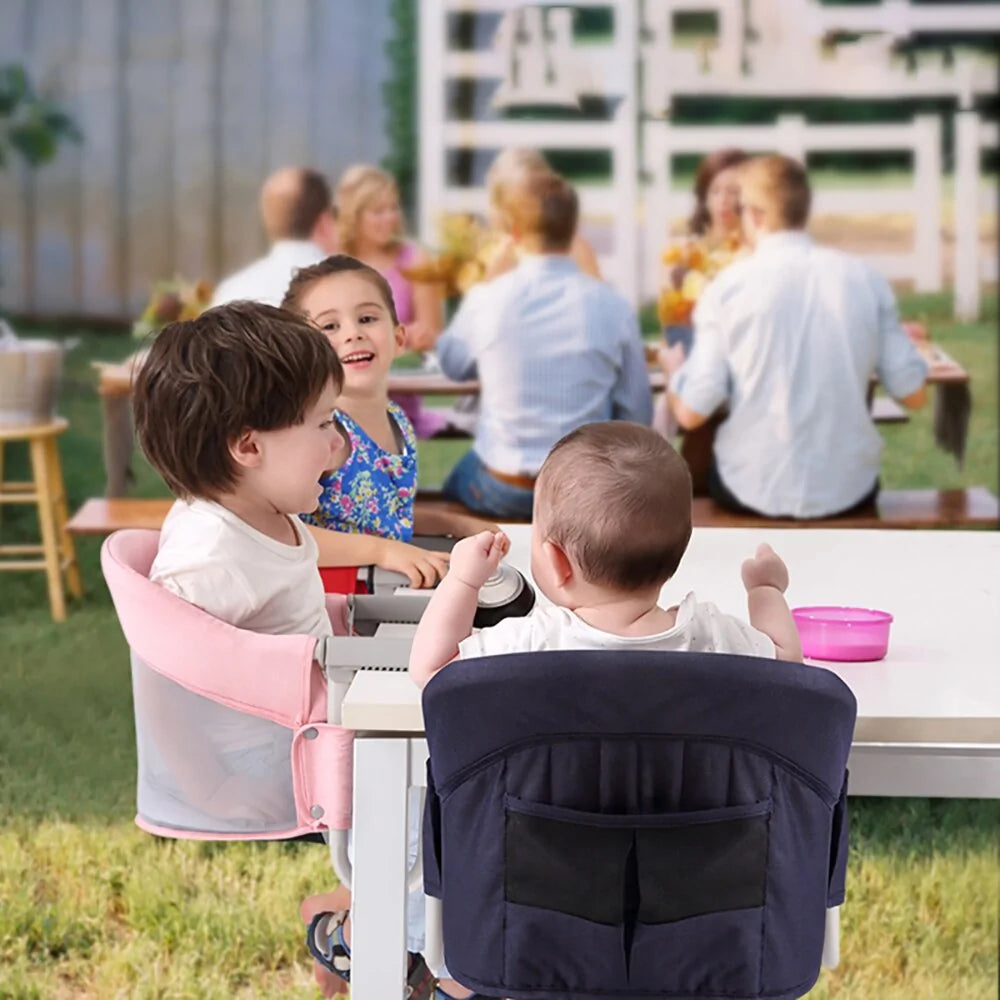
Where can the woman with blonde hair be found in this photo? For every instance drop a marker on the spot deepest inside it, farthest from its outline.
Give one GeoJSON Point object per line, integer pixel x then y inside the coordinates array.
{"type": "Point", "coordinates": [370, 222]}
{"type": "Point", "coordinates": [506, 183]}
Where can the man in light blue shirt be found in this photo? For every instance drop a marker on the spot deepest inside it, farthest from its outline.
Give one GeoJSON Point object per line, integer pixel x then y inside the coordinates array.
{"type": "Point", "coordinates": [790, 339]}
{"type": "Point", "coordinates": [553, 349]}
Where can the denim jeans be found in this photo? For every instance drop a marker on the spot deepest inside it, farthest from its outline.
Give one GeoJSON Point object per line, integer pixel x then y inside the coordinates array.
{"type": "Point", "coordinates": [470, 483]}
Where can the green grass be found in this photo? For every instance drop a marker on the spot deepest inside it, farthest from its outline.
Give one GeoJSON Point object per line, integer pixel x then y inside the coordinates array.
{"type": "Point", "coordinates": [90, 907]}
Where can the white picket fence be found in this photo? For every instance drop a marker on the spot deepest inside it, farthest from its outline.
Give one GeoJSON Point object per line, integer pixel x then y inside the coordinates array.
{"type": "Point", "coordinates": [640, 214]}
{"type": "Point", "coordinates": [615, 204]}
{"type": "Point", "coordinates": [795, 137]}
{"type": "Point", "coordinates": [972, 267]}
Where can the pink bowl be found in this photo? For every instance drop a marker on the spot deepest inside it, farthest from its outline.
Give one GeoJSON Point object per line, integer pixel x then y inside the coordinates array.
{"type": "Point", "coordinates": [832, 633]}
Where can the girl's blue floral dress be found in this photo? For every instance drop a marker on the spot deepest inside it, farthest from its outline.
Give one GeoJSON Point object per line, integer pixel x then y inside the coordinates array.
{"type": "Point", "coordinates": [372, 492]}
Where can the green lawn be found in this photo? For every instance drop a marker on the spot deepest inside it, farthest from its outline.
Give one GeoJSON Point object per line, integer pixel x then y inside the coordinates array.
{"type": "Point", "coordinates": [90, 907]}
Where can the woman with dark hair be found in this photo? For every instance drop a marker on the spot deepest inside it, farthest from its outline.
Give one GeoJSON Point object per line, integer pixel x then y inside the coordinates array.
{"type": "Point", "coordinates": [716, 215]}
{"type": "Point", "coordinates": [715, 237]}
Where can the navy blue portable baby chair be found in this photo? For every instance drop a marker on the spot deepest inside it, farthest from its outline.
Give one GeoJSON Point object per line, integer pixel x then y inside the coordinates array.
{"type": "Point", "coordinates": [603, 824]}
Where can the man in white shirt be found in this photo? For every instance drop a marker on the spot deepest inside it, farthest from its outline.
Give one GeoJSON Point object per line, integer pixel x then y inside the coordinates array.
{"type": "Point", "coordinates": [790, 339]}
{"type": "Point", "coordinates": [553, 349]}
{"type": "Point", "coordinates": [296, 210]}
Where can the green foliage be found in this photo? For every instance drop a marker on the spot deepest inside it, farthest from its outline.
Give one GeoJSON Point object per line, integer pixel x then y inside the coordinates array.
{"type": "Point", "coordinates": [30, 125]}
{"type": "Point", "coordinates": [401, 93]}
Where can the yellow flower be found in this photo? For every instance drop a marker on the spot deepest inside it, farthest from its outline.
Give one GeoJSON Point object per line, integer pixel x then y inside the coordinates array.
{"type": "Point", "coordinates": [673, 254]}
{"type": "Point", "coordinates": [693, 285]}
{"type": "Point", "coordinates": [469, 272]}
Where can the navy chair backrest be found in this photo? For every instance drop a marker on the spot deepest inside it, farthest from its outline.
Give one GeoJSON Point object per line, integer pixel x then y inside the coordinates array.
{"type": "Point", "coordinates": [607, 824]}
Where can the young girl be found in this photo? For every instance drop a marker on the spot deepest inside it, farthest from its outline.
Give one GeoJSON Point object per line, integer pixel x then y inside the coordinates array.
{"type": "Point", "coordinates": [369, 500]}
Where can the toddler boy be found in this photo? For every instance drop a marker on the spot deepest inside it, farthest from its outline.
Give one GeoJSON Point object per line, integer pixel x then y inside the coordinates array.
{"type": "Point", "coordinates": [235, 410]}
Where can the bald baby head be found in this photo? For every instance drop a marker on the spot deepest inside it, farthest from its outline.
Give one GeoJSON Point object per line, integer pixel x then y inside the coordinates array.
{"type": "Point", "coordinates": [292, 201]}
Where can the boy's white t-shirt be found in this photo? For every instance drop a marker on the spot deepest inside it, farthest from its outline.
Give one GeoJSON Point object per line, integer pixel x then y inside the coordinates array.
{"type": "Point", "coordinates": [215, 560]}
{"type": "Point", "coordinates": [699, 628]}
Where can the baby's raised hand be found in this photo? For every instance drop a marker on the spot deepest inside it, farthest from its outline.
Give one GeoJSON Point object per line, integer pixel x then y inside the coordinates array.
{"type": "Point", "coordinates": [476, 558]}
{"type": "Point", "coordinates": [765, 569]}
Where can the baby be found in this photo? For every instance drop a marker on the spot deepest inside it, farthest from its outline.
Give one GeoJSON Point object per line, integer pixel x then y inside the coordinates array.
{"type": "Point", "coordinates": [612, 520]}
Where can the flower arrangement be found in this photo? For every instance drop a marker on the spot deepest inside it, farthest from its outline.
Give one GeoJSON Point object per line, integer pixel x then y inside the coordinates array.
{"type": "Point", "coordinates": [170, 301]}
{"type": "Point", "coordinates": [462, 260]}
{"type": "Point", "coordinates": [690, 267]}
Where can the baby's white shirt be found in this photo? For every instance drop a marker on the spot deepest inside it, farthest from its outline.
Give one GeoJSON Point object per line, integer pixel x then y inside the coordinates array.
{"type": "Point", "coordinates": [699, 628]}
{"type": "Point", "coordinates": [215, 560]}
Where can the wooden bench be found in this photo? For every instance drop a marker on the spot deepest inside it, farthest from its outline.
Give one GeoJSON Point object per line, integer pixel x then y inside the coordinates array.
{"type": "Point", "coordinates": [975, 507]}
{"type": "Point", "coordinates": [101, 516]}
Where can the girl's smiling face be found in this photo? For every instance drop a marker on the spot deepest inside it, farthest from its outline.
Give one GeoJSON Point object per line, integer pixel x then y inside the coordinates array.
{"type": "Point", "coordinates": [349, 308]}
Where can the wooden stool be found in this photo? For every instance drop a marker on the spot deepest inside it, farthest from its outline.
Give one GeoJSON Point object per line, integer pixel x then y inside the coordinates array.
{"type": "Point", "coordinates": [48, 492]}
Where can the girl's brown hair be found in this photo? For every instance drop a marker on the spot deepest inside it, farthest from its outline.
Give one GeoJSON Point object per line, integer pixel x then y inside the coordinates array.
{"type": "Point", "coordinates": [340, 263]}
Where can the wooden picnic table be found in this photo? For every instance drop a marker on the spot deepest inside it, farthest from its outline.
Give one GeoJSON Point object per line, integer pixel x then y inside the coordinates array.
{"type": "Point", "coordinates": [115, 389]}
{"type": "Point", "coordinates": [115, 379]}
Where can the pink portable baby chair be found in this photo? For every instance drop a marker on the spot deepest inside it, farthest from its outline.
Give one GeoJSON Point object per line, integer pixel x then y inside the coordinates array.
{"type": "Point", "coordinates": [234, 732]}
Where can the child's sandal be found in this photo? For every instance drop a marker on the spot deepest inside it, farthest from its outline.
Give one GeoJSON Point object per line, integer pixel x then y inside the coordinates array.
{"type": "Point", "coordinates": [325, 941]}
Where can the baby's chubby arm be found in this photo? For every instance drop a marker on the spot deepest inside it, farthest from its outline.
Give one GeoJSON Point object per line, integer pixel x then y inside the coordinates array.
{"type": "Point", "coordinates": [765, 577]}
{"type": "Point", "coordinates": [447, 620]}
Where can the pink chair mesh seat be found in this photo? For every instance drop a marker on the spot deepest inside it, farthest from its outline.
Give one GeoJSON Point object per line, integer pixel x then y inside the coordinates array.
{"type": "Point", "coordinates": [231, 726]}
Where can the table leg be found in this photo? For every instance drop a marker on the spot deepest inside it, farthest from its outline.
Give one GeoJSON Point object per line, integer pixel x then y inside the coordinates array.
{"type": "Point", "coordinates": [117, 442]}
{"type": "Point", "coordinates": [378, 913]}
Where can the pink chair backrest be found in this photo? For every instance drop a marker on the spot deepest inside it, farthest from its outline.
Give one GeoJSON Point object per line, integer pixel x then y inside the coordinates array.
{"type": "Point", "coordinates": [246, 675]}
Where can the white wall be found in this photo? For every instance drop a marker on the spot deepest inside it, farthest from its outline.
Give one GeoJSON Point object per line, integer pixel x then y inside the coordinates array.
{"type": "Point", "coordinates": [185, 106]}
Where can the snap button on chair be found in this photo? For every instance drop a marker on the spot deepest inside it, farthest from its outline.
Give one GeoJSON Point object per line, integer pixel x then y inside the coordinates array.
{"type": "Point", "coordinates": [47, 492]}
{"type": "Point", "coordinates": [606, 824]}
{"type": "Point", "coordinates": [234, 731]}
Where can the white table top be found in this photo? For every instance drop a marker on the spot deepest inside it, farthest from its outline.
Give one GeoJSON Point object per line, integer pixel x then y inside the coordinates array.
{"type": "Point", "coordinates": [939, 683]}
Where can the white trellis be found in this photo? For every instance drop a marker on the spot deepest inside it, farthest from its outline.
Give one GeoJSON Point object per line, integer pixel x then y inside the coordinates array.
{"type": "Point", "coordinates": [971, 268]}
{"type": "Point", "coordinates": [765, 48]}
{"type": "Point", "coordinates": [612, 74]}
{"type": "Point", "coordinates": [793, 136]}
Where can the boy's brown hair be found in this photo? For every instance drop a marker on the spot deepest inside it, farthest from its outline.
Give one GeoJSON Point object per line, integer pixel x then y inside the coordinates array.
{"type": "Point", "coordinates": [616, 498]}
{"type": "Point", "coordinates": [545, 207]}
{"type": "Point", "coordinates": [778, 186]}
{"type": "Point", "coordinates": [238, 367]}
{"type": "Point", "coordinates": [340, 263]}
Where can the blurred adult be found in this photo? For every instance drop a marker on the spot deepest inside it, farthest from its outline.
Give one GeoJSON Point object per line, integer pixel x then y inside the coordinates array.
{"type": "Point", "coordinates": [553, 349]}
{"type": "Point", "coordinates": [789, 338]}
{"type": "Point", "coordinates": [506, 180]}
{"type": "Point", "coordinates": [714, 239]}
{"type": "Point", "coordinates": [298, 217]}
{"type": "Point", "coordinates": [716, 219]}
{"type": "Point", "coordinates": [370, 222]}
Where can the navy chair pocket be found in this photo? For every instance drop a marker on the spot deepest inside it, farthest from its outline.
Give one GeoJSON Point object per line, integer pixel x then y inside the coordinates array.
{"type": "Point", "coordinates": [626, 892]}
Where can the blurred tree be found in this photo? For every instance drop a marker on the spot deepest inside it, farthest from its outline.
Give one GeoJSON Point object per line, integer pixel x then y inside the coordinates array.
{"type": "Point", "coordinates": [402, 95]}
{"type": "Point", "coordinates": [31, 126]}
